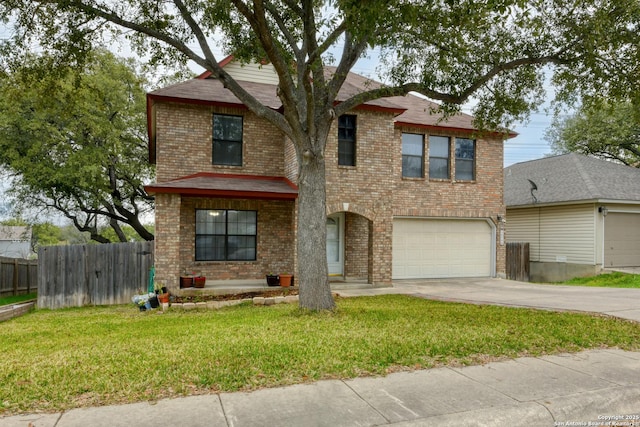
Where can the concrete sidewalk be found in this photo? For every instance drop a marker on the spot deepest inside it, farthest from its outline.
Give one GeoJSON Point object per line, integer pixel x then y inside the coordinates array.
{"type": "Point", "coordinates": [546, 391]}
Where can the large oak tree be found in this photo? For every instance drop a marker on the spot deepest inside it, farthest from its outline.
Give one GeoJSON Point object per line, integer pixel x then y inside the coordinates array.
{"type": "Point", "coordinates": [610, 132]}
{"type": "Point", "coordinates": [74, 141]}
{"type": "Point", "coordinates": [496, 51]}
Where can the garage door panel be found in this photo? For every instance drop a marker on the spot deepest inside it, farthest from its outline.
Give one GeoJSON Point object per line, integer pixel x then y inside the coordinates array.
{"type": "Point", "coordinates": [428, 248]}
{"type": "Point", "coordinates": [622, 240]}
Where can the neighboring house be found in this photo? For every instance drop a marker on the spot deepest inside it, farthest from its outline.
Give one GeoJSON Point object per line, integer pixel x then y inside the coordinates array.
{"type": "Point", "coordinates": [15, 241]}
{"type": "Point", "coordinates": [408, 196]}
{"type": "Point", "coordinates": [579, 214]}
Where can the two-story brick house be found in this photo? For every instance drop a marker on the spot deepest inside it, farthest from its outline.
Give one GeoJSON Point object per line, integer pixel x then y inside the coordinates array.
{"type": "Point", "coordinates": [408, 195]}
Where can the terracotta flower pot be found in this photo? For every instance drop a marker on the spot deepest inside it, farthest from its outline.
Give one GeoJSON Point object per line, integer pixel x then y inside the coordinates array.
{"type": "Point", "coordinates": [286, 280]}
{"type": "Point", "coordinates": [163, 298]}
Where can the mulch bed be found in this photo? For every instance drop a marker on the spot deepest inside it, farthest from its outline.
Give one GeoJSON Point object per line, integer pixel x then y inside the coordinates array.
{"type": "Point", "coordinates": [283, 292]}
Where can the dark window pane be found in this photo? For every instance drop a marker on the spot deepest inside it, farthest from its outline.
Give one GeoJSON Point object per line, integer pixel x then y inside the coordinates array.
{"type": "Point", "coordinates": [227, 153]}
{"type": "Point", "coordinates": [438, 168]}
{"type": "Point", "coordinates": [228, 128]}
{"type": "Point", "coordinates": [346, 153]}
{"type": "Point", "coordinates": [209, 248]}
{"type": "Point", "coordinates": [412, 155]}
{"type": "Point", "coordinates": [439, 157]}
{"type": "Point", "coordinates": [241, 248]}
{"type": "Point", "coordinates": [347, 140]}
{"type": "Point", "coordinates": [465, 159]}
{"type": "Point", "coordinates": [227, 140]}
{"type": "Point", "coordinates": [225, 235]}
{"type": "Point", "coordinates": [412, 166]}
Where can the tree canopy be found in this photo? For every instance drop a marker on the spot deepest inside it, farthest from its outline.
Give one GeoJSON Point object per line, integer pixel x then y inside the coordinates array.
{"type": "Point", "coordinates": [609, 132]}
{"type": "Point", "coordinates": [495, 53]}
{"type": "Point", "coordinates": [74, 141]}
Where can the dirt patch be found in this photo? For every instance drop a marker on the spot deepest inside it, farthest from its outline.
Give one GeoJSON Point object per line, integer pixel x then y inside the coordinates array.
{"type": "Point", "coordinates": [282, 292]}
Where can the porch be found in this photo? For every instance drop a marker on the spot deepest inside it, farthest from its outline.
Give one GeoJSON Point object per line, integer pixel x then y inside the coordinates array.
{"type": "Point", "coordinates": [232, 287]}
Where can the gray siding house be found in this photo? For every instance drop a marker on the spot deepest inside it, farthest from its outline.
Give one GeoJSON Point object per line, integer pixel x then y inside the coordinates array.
{"type": "Point", "coordinates": [579, 214]}
{"type": "Point", "coordinates": [15, 242]}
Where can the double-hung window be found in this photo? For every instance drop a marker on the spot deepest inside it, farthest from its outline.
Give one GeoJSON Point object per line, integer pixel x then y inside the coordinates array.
{"type": "Point", "coordinates": [465, 159]}
{"type": "Point", "coordinates": [412, 155]}
{"type": "Point", "coordinates": [439, 157]}
{"type": "Point", "coordinates": [226, 235]}
{"type": "Point", "coordinates": [347, 140]}
{"type": "Point", "coordinates": [227, 140]}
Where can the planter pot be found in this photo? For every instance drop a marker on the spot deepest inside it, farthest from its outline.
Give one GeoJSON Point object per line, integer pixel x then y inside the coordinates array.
{"type": "Point", "coordinates": [163, 298]}
{"type": "Point", "coordinates": [153, 301]}
{"type": "Point", "coordinates": [199, 281]}
{"type": "Point", "coordinates": [186, 282]}
{"type": "Point", "coordinates": [273, 280]}
{"type": "Point", "coordinates": [286, 280]}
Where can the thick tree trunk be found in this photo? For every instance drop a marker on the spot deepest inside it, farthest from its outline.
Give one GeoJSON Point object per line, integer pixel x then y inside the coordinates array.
{"type": "Point", "coordinates": [313, 277]}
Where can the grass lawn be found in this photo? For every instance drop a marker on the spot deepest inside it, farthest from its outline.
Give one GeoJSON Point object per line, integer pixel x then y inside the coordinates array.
{"type": "Point", "coordinates": [17, 298]}
{"type": "Point", "coordinates": [54, 360]}
{"type": "Point", "coordinates": [611, 280]}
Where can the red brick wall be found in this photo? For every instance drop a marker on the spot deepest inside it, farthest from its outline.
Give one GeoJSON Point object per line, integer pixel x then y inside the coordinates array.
{"type": "Point", "coordinates": [185, 138]}
{"type": "Point", "coordinates": [356, 259]}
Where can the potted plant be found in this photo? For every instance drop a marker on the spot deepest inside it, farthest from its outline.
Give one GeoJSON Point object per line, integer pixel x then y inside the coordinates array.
{"type": "Point", "coordinates": [161, 292]}
{"type": "Point", "coordinates": [273, 279]}
{"type": "Point", "coordinates": [199, 281]}
{"type": "Point", "coordinates": [286, 280]}
{"type": "Point", "coordinates": [186, 280]}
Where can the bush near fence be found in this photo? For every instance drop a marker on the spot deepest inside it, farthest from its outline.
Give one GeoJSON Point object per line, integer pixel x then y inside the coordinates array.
{"type": "Point", "coordinates": [80, 275]}
{"type": "Point", "coordinates": [18, 276]}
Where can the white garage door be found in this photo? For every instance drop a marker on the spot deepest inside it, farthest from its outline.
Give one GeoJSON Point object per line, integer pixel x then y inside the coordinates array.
{"type": "Point", "coordinates": [434, 248]}
{"type": "Point", "coordinates": [622, 240]}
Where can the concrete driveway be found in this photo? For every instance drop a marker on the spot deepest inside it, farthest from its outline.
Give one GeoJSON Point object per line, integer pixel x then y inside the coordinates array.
{"type": "Point", "coordinates": [623, 303]}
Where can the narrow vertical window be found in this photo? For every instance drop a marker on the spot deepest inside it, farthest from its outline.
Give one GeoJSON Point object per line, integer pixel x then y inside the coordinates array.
{"type": "Point", "coordinates": [439, 157]}
{"type": "Point", "coordinates": [412, 155]}
{"type": "Point", "coordinates": [227, 140]}
{"type": "Point", "coordinates": [465, 159]}
{"type": "Point", "coordinates": [347, 140]}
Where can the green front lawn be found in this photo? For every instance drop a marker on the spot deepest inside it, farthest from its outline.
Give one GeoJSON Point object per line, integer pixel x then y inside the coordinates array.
{"type": "Point", "coordinates": [611, 280]}
{"type": "Point", "coordinates": [55, 360]}
{"type": "Point", "coordinates": [18, 298]}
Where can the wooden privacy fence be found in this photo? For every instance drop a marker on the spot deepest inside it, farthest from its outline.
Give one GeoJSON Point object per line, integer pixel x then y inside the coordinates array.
{"type": "Point", "coordinates": [18, 276]}
{"type": "Point", "coordinates": [79, 275]}
{"type": "Point", "coordinates": [518, 261]}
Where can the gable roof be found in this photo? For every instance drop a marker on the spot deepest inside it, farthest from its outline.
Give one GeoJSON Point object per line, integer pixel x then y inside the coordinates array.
{"type": "Point", "coordinates": [570, 178]}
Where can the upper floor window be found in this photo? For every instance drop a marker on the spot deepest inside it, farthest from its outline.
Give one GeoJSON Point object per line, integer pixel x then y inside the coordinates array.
{"type": "Point", "coordinates": [226, 235]}
{"type": "Point", "coordinates": [227, 140]}
{"type": "Point", "coordinates": [439, 157]}
{"type": "Point", "coordinates": [412, 155]}
{"type": "Point", "coordinates": [347, 140]}
{"type": "Point", "coordinates": [465, 159]}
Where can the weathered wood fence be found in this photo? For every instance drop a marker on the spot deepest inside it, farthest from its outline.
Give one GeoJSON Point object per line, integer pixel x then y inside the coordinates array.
{"type": "Point", "coordinates": [518, 261]}
{"type": "Point", "coordinates": [79, 275]}
{"type": "Point", "coordinates": [18, 276]}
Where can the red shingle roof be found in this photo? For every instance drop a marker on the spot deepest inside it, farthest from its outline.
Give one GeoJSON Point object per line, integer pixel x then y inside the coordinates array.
{"type": "Point", "coordinates": [228, 186]}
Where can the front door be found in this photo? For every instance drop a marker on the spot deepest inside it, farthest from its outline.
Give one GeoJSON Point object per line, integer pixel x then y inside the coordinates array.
{"type": "Point", "coordinates": [335, 244]}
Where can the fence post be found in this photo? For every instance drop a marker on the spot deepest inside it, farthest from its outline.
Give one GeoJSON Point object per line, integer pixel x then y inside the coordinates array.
{"type": "Point", "coordinates": [15, 276]}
